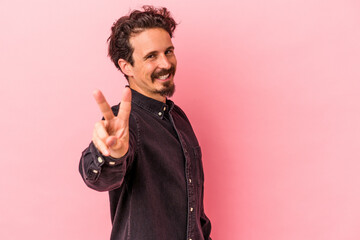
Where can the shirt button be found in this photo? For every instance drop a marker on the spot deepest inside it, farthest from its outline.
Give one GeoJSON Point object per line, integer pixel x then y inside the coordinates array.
{"type": "Point", "coordinates": [95, 171]}
{"type": "Point", "coordinates": [190, 180]}
{"type": "Point", "coordinates": [164, 108]}
{"type": "Point", "coordinates": [100, 160]}
{"type": "Point", "coordinates": [191, 209]}
{"type": "Point", "coordinates": [160, 113]}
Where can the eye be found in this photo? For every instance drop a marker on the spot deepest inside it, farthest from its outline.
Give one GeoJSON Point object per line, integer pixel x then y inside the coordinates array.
{"type": "Point", "coordinates": [168, 52]}
{"type": "Point", "coordinates": [150, 56]}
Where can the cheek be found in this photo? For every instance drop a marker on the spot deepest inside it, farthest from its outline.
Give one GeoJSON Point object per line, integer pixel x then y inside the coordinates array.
{"type": "Point", "coordinates": [174, 61]}
{"type": "Point", "coordinates": [148, 70]}
{"type": "Point", "coordinates": [142, 72]}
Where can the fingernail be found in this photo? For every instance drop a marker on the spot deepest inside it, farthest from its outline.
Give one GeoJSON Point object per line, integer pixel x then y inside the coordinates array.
{"type": "Point", "coordinates": [112, 142]}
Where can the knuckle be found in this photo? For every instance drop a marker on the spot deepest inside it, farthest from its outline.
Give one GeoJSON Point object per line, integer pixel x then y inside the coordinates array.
{"type": "Point", "coordinates": [103, 151]}
{"type": "Point", "coordinates": [97, 142]}
{"type": "Point", "coordinates": [98, 125]}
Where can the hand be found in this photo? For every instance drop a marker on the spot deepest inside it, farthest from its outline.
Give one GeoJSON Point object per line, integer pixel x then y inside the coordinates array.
{"type": "Point", "coordinates": [111, 136]}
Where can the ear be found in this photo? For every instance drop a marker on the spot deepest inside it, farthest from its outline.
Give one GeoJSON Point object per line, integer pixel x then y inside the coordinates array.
{"type": "Point", "coordinates": [125, 67]}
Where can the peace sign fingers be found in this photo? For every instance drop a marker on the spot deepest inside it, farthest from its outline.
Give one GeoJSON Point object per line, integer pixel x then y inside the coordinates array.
{"type": "Point", "coordinates": [111, 136]}
{"type": "Point", "coordinates": [125, 105]}
{"type": "Point", "coordinates": [103, 105]}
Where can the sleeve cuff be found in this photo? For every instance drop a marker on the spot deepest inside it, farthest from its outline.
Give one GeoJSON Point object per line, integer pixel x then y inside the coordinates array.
{"type": "Point", "coordinates": [100, 159]}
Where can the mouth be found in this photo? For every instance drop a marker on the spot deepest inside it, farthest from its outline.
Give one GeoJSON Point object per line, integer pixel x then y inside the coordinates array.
{"type": "Point", "coordinates": [163, 75]}
{"type": "Point", "coordinates": [164, 78]}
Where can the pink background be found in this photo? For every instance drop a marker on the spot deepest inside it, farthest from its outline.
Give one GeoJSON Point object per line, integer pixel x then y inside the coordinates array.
{"type": "Point", "coordinates": [271, 87]}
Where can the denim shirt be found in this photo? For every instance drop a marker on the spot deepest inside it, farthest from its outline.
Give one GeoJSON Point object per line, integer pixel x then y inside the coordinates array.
{"type": "Point", "coordinates": [156, 189]}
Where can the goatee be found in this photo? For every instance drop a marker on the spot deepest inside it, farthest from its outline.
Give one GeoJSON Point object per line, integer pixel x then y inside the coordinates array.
{"type": "Point", "coordinates": [168, 87]}
{"type": "Point", "coordinates": [167, 90]}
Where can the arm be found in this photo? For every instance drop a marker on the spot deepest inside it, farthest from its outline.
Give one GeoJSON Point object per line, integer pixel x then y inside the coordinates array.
{"type": "Point", "coordinates": [105, 173]}
{"type": "Point", "coordinates": [103, 164]}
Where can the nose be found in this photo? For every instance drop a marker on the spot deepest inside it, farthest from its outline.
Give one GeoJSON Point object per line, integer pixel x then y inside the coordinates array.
{"type": "Point", "coordinates": [164, 62]}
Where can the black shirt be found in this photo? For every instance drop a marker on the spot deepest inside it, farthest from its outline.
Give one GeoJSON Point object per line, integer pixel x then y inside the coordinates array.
{"type": "Point", "coordinates": [156, 189]}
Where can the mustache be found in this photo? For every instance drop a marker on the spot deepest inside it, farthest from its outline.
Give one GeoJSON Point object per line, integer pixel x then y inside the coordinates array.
{"type": "Point", "coordinates": [162, 72]}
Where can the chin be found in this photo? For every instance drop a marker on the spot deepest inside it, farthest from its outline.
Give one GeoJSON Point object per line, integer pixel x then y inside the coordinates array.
{"type": "Point", "coordinates": [168, 90]}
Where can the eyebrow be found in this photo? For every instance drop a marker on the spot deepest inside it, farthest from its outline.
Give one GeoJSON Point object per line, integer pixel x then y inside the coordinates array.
{"type": "Point", "coordinates": [155, 52]}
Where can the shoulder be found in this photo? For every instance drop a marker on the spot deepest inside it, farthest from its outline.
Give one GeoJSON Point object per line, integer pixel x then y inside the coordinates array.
{"type": "Point", "coordinates": [177, 110]}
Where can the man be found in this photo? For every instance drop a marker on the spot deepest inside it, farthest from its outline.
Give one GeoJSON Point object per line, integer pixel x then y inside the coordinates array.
{"type": "Point", "coordinates": [145, 152]}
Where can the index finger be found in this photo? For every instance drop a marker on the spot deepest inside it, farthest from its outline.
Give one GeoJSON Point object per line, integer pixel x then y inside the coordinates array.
{"type": "Point", "coordinates": [125, 105]}
{"type": "Point", "coordinates": [103, 105]}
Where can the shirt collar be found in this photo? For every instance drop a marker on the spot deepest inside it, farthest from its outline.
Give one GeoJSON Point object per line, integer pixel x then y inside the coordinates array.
{"type": "Point", "coordinates": [159, 109]}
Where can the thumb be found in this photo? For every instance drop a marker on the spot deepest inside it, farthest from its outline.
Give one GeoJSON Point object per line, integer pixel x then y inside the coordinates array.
{"type": "Point", "coordinates": [113, 142]}
{"type": "Point", "coordinates": [117, 148]}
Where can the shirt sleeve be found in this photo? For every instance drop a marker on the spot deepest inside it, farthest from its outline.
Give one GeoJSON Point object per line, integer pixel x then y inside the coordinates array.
{"type": "Point", "coordinates": [103, 173]}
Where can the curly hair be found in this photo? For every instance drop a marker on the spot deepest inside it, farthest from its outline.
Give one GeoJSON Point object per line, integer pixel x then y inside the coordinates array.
{"type": "Point", "coordinates": [133, 23]}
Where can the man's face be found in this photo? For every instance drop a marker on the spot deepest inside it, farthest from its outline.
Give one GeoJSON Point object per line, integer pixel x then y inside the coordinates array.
{"type": "Point", "coordinates": [152, 73]}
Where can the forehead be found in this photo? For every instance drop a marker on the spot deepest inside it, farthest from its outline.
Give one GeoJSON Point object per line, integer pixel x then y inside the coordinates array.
{"type": "Point", "coordinates": [153, 39]}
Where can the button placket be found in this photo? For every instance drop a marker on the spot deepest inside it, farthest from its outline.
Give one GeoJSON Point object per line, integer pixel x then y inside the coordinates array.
{"type": "Point", "coordinates": [191, 195]}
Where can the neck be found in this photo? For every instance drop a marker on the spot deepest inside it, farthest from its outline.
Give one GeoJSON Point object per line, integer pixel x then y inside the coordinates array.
{"type": "Point", "coordinates": [154, 96]}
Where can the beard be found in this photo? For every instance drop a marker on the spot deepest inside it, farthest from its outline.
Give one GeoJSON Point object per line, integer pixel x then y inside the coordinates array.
{"type": "Point", "coordinates": [167, 90]}
{"type": "Point", "coordinates": [168, 87]}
